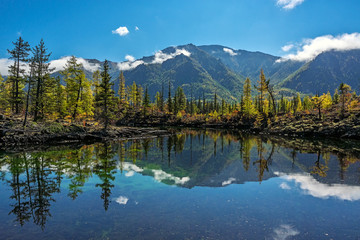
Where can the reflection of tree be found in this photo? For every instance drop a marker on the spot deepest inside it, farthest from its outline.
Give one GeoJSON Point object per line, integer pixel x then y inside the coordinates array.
{"type": "Point", "coordinates": [79, 161]}
{"type": "Point", "coordinates": [33, 184]}
{"type": "Point", "coordinates": [245, 148]}
{"type": "Point", "coordinates": [105, 169]}
{"type": "Point", "coordinates": [263, 164]}
{"type": "Point", "coordinates": [20, 207]}
{"type": "Point", "coordinates": [320, 169]}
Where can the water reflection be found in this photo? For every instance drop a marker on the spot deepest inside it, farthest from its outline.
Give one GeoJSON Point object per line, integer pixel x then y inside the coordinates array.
{"type": "Point", "coordinates": [188, 159]}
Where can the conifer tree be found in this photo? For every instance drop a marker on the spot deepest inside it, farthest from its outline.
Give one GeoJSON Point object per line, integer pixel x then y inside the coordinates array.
{"type": "Point", "coordinates": [262, 88]}
{"type": "Point", "coordinates": [122, 88]}
{"type": "Point", "coordinates": [146, 101]}
{"type": "Point", "coordinates": [344, 92]}
{"type": "Point", "coordinates": [170, 103]}
{"type": "Point", "coordinates": [42, 71]}
{"type": "Point", "coordinates": [247, 102]}
{"type": "Point", "coordinates": [78, 89]}
{"type": "Point", "coordinates": [20, 55]}
{"type": "Point", "coordinates": [106, 96]}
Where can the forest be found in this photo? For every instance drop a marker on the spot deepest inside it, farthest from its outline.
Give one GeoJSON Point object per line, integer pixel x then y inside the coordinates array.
{"type": "Point", "coordinates": [31, 93]}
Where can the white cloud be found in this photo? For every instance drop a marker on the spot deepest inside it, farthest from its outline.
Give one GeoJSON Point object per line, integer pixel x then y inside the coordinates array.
{"type": "Point", "coordinates": [284, 231]}
{"type": "Point", "coordinates": [122, 200]}
{"type": "Point", "coordinates": [5, 63]}
{"type": "Point", "coordinates": [287, 48]}
{"type": "Point", "coordinates": [137, 28]}
{"type": "Point", "coordinates": [130, 58]}
{"type": "Point", "coordinates": [59, 64]}
{"type": "Point", "coordinates": [227, 182]}
{"type": "Point", "coordinates": [124, 66]}
{"type": "Point", "coordinates": [230, 51]}
{"type": "Point", "coordinates": [321, 190]}
{"type": "Point", "coordinates": [289, 4]}
{"type": "Point", "coordinates": [159, 58]}
{"type": "Point", "coordinates": [4, 66]}
{"type": "Point", "coordinates": [310, 48]}
{"type": "Point", "coordinates": [285, 186]}
{"type": "Point", "coordinates": [122, 31]}
{"type": "Point", "coordinates": [5, 168]}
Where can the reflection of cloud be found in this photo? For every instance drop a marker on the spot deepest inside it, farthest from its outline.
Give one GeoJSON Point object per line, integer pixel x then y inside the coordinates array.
{"type": "Point", "coordinates": [321, 190]}
{"type": "Point", "coordinates": [122, 200]}
{"type": "Point", "coordinates": [160, 175]}
{"type": "Point", "coordinates": [230, 51]}
{"type": "Point", "coordinates": [284, 231]}
{"type": "Point", "coordinates": [5, 168]}
{"type": "Point", "coordinates": [129, 174]}
{"type": "Point", "coordinates": [285, 186]}
{"type": "Point", "coordinates": [131, 167]}
{"type": "Point", "coordinates": [227, 182]}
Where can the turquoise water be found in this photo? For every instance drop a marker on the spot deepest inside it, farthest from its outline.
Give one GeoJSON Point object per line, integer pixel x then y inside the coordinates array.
{"type": "Point", "coordinates": [195, 185]}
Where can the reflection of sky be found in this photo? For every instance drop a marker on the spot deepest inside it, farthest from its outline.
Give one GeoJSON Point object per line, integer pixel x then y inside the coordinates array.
{"type": "Point", "coordinates": [122, 200]}
{"type": "Point", "coordinates": [317, 189]}
{"type": "Point", "coordinates": [159, 175]}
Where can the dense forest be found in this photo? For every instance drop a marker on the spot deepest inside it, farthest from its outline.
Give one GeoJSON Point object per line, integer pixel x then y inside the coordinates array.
{"type": "Point", "coordinates": [31, 92]}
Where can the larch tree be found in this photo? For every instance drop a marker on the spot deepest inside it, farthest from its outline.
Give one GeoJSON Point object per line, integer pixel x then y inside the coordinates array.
{"type": "Point", "coordinates": [262, 88]}
{"type": "Point", "coordinates": [344, 96]}
{"type": "Point", "coordinates": [122, 88]}
{"type": "Point", "coordinates": [248, 108]}
{"type": "Point", "coordinates": [78, 90]}
{"type": "Point", "coordinates": [20, 55]}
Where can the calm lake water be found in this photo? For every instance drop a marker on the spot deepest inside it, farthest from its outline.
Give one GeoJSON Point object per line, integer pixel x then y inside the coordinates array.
{"type": "Point", "coordinates": [193, 185]}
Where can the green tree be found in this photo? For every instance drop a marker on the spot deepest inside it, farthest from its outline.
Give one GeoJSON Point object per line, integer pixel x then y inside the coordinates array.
{"type": "Point", "coordinates": [78, 88]}
{"type": "Point", "coordinates": [106, 97]}
{"type": "Point", "coordinates": [262, 88]}
{"type": "Point", "coordinates": [41, 75]}
{"type": "Point", "coordinates": [248, 105]}
{"type": "Point", "coordinates": [170, 103]}
{"type": "Point", "coordinates": [344, 96]}
{"type": "Point", "coordinates": [20, 55]}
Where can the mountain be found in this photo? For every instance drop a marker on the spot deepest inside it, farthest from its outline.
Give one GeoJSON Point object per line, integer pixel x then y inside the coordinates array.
{"type": "Point", "coordinates": [249, 64]}
{"type": "Point", "coordinates": [214, 68]}
{"type": "Point", "coordinates": [194, 70]}
{"type": "Point", "coordinates": [326, 72]}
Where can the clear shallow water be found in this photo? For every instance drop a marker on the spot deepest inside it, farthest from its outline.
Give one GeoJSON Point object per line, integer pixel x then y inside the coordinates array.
{"type": "Point", "coordinates": [195, 185]}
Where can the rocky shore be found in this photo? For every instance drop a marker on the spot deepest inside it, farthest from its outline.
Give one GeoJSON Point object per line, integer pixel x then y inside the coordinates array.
{"type": "Point", "coordinates": [14, 137]}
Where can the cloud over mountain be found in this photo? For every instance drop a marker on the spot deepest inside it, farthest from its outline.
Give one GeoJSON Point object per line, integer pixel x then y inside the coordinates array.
{"type": "Point", "coordinates": [310, 48]}
{"type": "Point", "coordinates": [59, 64]}
{"type": "Point", "coordinates": [230, 51]}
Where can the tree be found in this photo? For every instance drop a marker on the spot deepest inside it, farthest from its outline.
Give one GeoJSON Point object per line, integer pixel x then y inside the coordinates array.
{"type": "Point", "coordinates": [122, 88]}
{"type": "Point", "coordinates": [146, 100]}
{"type": "Point", "coordinates": [344, 96]}
{"type": "Point", "coordinates": [262, 88]}
{"type": "Point", "coordinates": [20, 55]}
{"type": "Point", "coordinates": [78, 89]}
{"type": "Point", "coordinates": [42, 71]}
{"type": "Point", "coordinates": [318, 103]}
{"type": "Point", "coordinates": [4, 95]}
{"type": "Point", "coordinates": [170, 104]}
{"type": "Point", "coordinates": [106, 97]}
{"type": "Point", "coordinates": [247, 101]}
{"type": "Point", "coordinates": [180, 101]}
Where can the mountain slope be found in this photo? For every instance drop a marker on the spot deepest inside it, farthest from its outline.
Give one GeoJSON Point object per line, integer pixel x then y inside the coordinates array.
{"type": "Point", "coordinates": [249, 64]}
{"type": "Point", "coordinates": [326, 72]}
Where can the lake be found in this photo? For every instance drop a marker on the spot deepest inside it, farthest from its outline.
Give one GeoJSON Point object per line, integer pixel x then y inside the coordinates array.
{"type": "Point", "coordinates": [197, 184]}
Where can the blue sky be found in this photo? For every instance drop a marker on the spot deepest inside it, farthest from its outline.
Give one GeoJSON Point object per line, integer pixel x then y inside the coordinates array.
{"type": "Point", "coordinates": [84, 28]}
